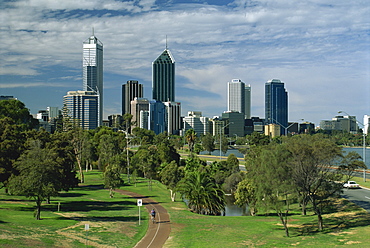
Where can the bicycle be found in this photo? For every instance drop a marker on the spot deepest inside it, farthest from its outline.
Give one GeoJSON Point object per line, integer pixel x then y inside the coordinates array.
{"type": "Point", "coordinates": [153, 219]}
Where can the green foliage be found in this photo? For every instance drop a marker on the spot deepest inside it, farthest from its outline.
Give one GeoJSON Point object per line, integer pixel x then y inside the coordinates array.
{"type": "Point", "coordinates": [208, 143]}
{"type": "Point", "coordinates": [17, 111]}
{"type": "Point", "coordinates": [170, 175]}
{"type": "Point", "coordinates": [191, 137]}
{"type": "Point", "coordinates": [112, 177]}
{"type": "Point", "coordinates": [257, 139]}
{"type": "Point", "coordinates": [202, 194]}
{"type": "Point", "coordinates": [40, 176]}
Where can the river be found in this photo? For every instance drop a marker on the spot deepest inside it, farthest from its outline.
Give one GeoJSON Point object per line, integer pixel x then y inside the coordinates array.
{"type": "Point", "coordinates": [359, 150]}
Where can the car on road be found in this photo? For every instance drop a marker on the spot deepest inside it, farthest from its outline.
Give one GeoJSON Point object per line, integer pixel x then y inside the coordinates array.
{"type": "Point", "coordinates": [351, 185]}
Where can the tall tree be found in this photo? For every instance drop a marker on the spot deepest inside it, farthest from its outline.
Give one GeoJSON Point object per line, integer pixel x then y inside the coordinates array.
{"type": "Point", "coordinates": [17, 111]}
{"type": "Point", "coordinates": [39, 177]}
{"type": "Point", "coordinates": [112, 176]}
{"type": "Point", "coordinates": [208, 142]}
{"type": "Point", "coordinates": [191, 137]}
{"type": "Point", "coordinates": [312, 160]}
{"type": "Point", "coordinates": [170, 175]}
{"type": "Point", "coordinates": [12, 141]}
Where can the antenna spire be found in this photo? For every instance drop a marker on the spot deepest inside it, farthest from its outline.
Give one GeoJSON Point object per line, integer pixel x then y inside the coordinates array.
{"type": "Point", "coordinates": [93, 33]}
{"type": "Point", "coordinates": [166, 43]}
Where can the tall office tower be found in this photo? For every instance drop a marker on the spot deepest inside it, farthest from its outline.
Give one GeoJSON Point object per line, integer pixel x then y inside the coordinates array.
{"type": "Point", "coordinates": [92, 63]}
{"type": "Point", "coordinates": [130, 90]}
{"type": "Point", "coordinates": [137, 105]}
{"type": "Point", "coordinates": [164, 77]}
{"type": "Point", "coordinates": [173, 117]}
{"type": "Point", "coordinates": [236, 96]}
{"type": "Point", "coordinates": [82, 108]}
{"type": "Point", "coordinates": [248, 101]}
{"type": "Point", "coordinates": [157, 117]}
{"type": "Point", "coordinates": [276, 103]}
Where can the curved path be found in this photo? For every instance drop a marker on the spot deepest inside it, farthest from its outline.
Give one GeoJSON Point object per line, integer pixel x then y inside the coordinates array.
{"type": "Point", "coordinates": [157, 233]}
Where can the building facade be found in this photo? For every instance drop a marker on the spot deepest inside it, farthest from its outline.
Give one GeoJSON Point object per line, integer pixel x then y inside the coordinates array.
{"type": "Point", "coordinates": [236, 96]}
{"type": "Point", "coordinates": [164, 77]}
{"type": "Point", "coordinates": [200, 124]}
{"type": "Point", "coordinates": [276, 104]}
{"type": "Point", "coordinates": [173, 117]}
{"type": "Point", "coordinates": [81, 107]}
{"type": "Point", "coordinates": [248, 101]}
{"type": "Point", "coordinates": [157, 117]}
{"type": "Point", "coordinates": [342, 123]}
{"type": "Point", "coordinates": [92, 64]}
{"type": "Point", "coordinates": [130, 90]}
{"type": "Point", "coordinates": [137, 105]}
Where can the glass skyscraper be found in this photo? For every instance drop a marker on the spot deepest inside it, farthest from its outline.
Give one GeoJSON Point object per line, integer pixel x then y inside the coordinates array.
{"type": "Point", "coordinates": [276, 103]}
{"type": "Point", "coordinates": [164, 77]}
{"type": "Point", "coordinates": [236, 96]}
{"type": "Point", "coordinates": [92, 62]}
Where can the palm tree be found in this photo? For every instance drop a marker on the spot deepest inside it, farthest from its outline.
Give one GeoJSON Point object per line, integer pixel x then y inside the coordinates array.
{"type": "Point", "coordinates": [204, 196]}
{"type": "Point", "coordinates": [190, 137]}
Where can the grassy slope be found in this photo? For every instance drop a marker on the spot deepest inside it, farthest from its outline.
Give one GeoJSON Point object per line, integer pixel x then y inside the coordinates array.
{"type": "Point", "coordinates": [113, 222]}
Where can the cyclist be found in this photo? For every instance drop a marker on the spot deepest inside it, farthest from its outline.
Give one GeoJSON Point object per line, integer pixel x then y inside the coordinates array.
{"type": "Point", "coordinates": [152, 214]}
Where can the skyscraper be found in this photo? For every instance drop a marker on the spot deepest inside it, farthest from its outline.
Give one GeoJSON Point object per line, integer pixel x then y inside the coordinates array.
{"type": "Point", "coordinates": [164, 77]}
{"type": "Point", "coordinates": [276, 103]}
{"type": "Point", "coordinates": [248, 101]}
{"type": "Point", "coordinates": [130, 90]}
{"type": "Point", "coordinates": [92, 63]}
{"type": "Point", "coordinates": [236, 96]}
{"type": "Point", "coordinates": [82, 108]}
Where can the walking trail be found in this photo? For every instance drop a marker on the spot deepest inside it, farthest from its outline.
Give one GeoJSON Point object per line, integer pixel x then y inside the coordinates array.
{"type": "Point", "coordinates": [158, 232]}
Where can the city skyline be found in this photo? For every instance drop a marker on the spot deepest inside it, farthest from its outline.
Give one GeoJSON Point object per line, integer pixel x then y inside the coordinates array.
{"type": "Point", "coordinates": [319, 49]}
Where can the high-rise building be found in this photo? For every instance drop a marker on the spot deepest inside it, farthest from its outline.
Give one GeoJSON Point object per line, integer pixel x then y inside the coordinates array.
{"type": "Point", "coordinates": [236, 96]}
{"type": "Point", "coordinates": [81, 107]}
{"type": "Point", "coordinates": [276, 104]}
{"type": "Point", "coordinates": [138, 105]}
{"type": "Point", "coordinates": [248, 101]}
{"type": "Point", "coordinates": [157, 117]}
{"type": "Point", "coordinates": [130, 90]}
{"type": "Point", "coordinates": [173, 117]}
{"type": "Point", "coordinates": [92, 63]}
{"type": "Point", "coordinates": [164, 77]}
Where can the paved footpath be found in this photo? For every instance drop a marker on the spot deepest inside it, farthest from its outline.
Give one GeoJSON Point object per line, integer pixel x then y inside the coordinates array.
{"type": "Point", "coordinates": [157, 233]}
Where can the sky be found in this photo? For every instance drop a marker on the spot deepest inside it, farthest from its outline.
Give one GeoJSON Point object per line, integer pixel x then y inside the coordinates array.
{"type": "Point", "coordinates": [320, 49]}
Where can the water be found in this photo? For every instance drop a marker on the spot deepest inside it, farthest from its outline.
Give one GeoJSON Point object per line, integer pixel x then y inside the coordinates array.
{"type": "Point", "coordinates": [359, 150]}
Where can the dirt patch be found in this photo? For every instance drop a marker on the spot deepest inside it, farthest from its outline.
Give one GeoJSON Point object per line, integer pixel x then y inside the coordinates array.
{"type": "Point", "coordinates": [353, 242]}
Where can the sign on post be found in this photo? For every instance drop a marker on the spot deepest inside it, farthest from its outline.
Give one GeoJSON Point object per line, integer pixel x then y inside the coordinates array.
{"type": "Point", "coordinates": [139, 203]}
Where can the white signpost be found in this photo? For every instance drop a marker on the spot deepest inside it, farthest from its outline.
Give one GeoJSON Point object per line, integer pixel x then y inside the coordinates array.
{"type": "Point", "coordinates": [139, 204]}
{"type": "Point", "coordinates": [87, 227]}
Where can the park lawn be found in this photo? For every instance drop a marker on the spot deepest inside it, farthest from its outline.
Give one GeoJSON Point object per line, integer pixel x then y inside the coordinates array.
{"type": "Point", "coordinates": [346, 225]}
{"type": "Point", "coordinates": [112, 222]}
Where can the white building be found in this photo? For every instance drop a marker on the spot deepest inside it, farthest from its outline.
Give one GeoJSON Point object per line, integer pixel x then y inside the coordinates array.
{"type": "Point", "coordinates": [173, 117]}
{"type": "Point", "coordinates": [197, 122]}
{"type": "Point", "coordinates": [239, 97]}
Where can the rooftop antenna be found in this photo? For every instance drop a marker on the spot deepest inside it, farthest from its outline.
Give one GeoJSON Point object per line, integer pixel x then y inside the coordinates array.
{"type": "Point", "coordinates": [166, 43]}
{"type": "Point", "coordinates": [93, 31]}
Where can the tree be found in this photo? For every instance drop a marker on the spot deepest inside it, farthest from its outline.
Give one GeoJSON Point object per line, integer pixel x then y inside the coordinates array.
{"type": "Point", "coordinates": [17, 111]}
{"type": "Point", "coordinates": [208, 143]}
{"type": "Point", "coordinates": [257, 139]}
{"type": "Point", "coordinates": [12, 141]}
{"type": "Point", "coordinates": [202, 194]}
{"type": "Point", "coordinates": [312, 160]}
{"type": "Point", "coordinates": [170, 175]}
{"type": "Point", "coordinates": [112, 176]}
{"type": "Point", "coordinates": [191, 137]}
{"type": "Point", "coordinates": [246, 194]}
{"type": "Point", "coordinates": [349, 164]}
{"type": "Point", "coordinates": [268, 169]}
{"type": "Point", "coordinates": [39, 176]}
{"type": "Point", "coordinates": [224, 144]}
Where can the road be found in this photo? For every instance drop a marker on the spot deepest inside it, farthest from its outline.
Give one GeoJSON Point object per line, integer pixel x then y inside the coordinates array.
{"type": "Point", "coordinates": [360, 197]}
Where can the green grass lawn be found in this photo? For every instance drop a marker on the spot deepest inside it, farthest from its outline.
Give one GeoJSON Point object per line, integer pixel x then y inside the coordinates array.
{"type": "Point", "coordinates": [114, 223]}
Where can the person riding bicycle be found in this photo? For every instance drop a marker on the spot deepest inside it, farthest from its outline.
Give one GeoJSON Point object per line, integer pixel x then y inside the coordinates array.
{"type": "Point", "coordinates": [152, 213]}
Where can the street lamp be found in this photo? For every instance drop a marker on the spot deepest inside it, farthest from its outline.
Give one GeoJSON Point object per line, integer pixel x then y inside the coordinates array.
{"type": "Point", "coordinates": [286, 128]}
{"type": "Point", "coordinates": [363, 143]}
{"type": "Point", "coordinates": [221, 129]}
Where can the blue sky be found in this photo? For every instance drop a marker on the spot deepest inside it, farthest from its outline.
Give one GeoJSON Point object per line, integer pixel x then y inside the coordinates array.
{"type": "Point", "coordinates": [320, 49]}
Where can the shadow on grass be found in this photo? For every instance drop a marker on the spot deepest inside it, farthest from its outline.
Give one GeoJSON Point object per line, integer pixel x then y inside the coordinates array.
{"type": "Point", "coordinates": [102, 219]}
{"type": "Point", "coordinates": [70, 194]}
{"type": "Point", "coordinates": [86, 206]}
